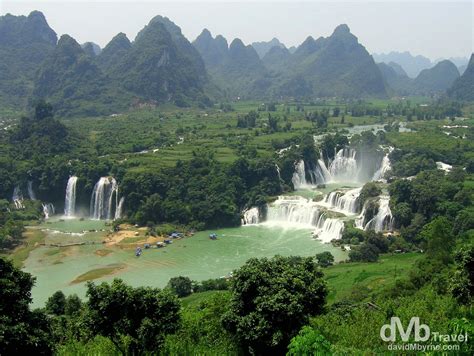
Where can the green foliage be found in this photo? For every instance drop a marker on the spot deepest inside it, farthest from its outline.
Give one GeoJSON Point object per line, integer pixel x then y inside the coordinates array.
{"type": "Point", "coordinates": [135, 319]}
{"type": "Point", "coordinates": [308, 342]}
{"type": "Point", "coordinates": [271, 300]}
{"type": "Point", "coordinates": [369, 190]}
{"type": "Point", "coordinates": [73, 305]}
{"type": "Point", "coordinates": [201, 330]}
{"type": "Point", "coordinates": [325, 259]}
{"type": "Point", "coordinates": [56, 304]}
{"type": "Point", "coordinates": [181, 286]}
{"type": "Point", "coordinates": [367, 252]}
{"type": "Point", "coordinates": [462, 278]}
{"type": "Point", "coordinates": [21, 331]}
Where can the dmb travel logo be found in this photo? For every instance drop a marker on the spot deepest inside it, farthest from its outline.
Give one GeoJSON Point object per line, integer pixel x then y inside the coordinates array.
{"type": "Point", "coordinates": [418, 337]}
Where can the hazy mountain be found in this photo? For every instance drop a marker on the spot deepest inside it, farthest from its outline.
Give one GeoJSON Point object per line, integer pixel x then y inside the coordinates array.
{"type": "Point", "coordinates": [458, 61]}
{"type": "Point", "coordinates": [276, 58]}
{"type": "Point", "coordinates": [463, 87]}
{"type": "Point", "coordinates": [25, 41]}
{"type": "Point", "coordinates": [396, 80]}
{"type": "Point", "coordinates": [212, 50]}
{"type": "Point", "coordinates": [91, 48]}
{"type": "Point", "coordinates": [114, 52]}
{"type": "Point", "coordinates": [412, 65]}
{"type": "Point", "coordinates": [262, 48]}
{"type": "Point", "coordinates": [74, 84]}
{"type": "Point", "coordinates": [236, 69]}
{"type": "Point", "coordinates": [334, 66]}
{"type": "Point", "coordinates": [462, 69]}
{"type": "Point", "coordinates": [437, 79]}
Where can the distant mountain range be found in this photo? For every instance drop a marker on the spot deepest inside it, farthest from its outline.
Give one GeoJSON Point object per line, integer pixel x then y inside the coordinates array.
{"type": "Point", "coordinates": [162, 66]}
{"type": "Point", "coordinates": [463, 87]}
{"type": "Point", "coordinates": [327, 67]}
{"type": "Point", "coordinates": [413, 65]}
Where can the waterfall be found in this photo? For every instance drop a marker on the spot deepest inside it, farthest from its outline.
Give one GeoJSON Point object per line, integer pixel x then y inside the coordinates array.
{"type": "Point", "coordinates": [385, 166]}
{"type": "Point", "coordinates": [70, 200]}
{"type": "Point", "coordinates": [299, 177]}
{"type": "Point", "coordinates": [251, 216]}
{"type": "Point", "coordinates": [48, 210]}
{"type": "Point", "coordinates": [118, 212]}
{"type": "Point", "coordinates": [102, 198]}
{"type": "Point", "coordinates": [328, 229]}
{"type": "Point", "coordinates": [17, 198]}
{"type": "Point", "coordinates": [382, 221]}
{"type": "Point", "coordinates": [346, 202]}
{"type": "Point", "coordinates": [344, 166]}
{"type": "Point", "coordinates": [293, 211]}
{"type": "Point", "coordinates": [31, 192]}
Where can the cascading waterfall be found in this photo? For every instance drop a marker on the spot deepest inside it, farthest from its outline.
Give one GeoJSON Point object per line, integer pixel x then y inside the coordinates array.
{"type": "Point", "coordinates": [299, 177]}
{"type": "Point", "coordinates": [344, 166]}
{"type": "Point", "coordinates": [105, 190]}
{"type": "Point", "coordinates": [385, 166]}
{"type": "Point", "coordinates": [328, 229]}
{"type": "Point", "coordinates": [293, 211]}
{"type": "Point", "coordinates": [118, 212]}
{"type": "Point", "coordinates": [70, 199]}
{"type": "Point", "coordinates": [31, 192]}
{"type": "Point", "coordinates": [48, 210]}
{"type": "Point", "coordinates": [382, 221]}
{"type": "Point", "coordinates": [17, 198]}
{"type": "Point", "coordinates": [251, 216]}
{"type": "Point", "coordinates": [346, 202]}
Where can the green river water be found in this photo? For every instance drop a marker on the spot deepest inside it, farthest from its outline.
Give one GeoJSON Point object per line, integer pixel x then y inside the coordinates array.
{"type": "Point", "coordinates": [197, 257]}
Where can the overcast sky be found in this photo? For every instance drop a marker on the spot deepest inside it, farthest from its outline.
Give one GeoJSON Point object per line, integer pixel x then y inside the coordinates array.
{"type": "Point", "coordinates": [431, 28]}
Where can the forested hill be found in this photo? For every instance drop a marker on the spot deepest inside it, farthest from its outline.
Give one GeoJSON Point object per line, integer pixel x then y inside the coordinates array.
{"type": "Point", "coordinates": [24, 42]}
{"type": "Point", "coordinates": [463, 87]}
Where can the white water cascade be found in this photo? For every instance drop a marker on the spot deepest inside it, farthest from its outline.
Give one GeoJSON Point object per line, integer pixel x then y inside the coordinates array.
{"type": "Point", "coordinates": [293, 211]}
{"type": "Point", "coordinates": [118, 212]}
{"type": "Point", "coordinates": [31, 192]}
{"type": "Point", "coordinates": [344, 166]}
{"type": "Point", "coordinates": [299, 177]}
{"type": "Point", "coordinates": [105, 190]}
{"type": "Point", "coordinates": [48, 210]}
{"type": "Point", "coordinates": [17, 198]}
{"type": "Point", "coordinates": [384, 168]}
{"type": "Point", "coordinates": [382, 221]}
{"type": "Point", "coordinates": [251, 216]}
{"type": "Point", "coordinates": [345, 202]}
{"type": "Point", "coordinates": [328, 229]}
{"type": "Point", "coordinates": [70, 199]}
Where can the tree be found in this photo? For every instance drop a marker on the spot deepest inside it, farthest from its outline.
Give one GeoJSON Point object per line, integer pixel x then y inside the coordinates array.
{"type": "Point", "coordinates": [22, 332]}
{"type": "Point", "coordinates": [365, 253]}
{"type": "Point", "coordinates": [439, 238]}
{"type": "Point", "coordinates": [56, 304]}
{"type": "Point", "coordinates": [140, 316]}
{"type": "Point", "coordinates": [43, 110]}
{"type": "Point", "coordinates": [462, 278]}
{"type": "Point", "coordinates": [181, 286]}
{"type": "Point", "coordinates": [309, 342]}
{"type": "Point", "coordinates": [325, 259]}
{"type": "Point", "coordinates": [272, 299]}
{"type": "Point", "coordinates": [73, 305]}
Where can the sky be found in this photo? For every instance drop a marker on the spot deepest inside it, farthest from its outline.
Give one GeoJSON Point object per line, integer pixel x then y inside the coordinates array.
{"type": "Point", "coordinates": [435, 29]}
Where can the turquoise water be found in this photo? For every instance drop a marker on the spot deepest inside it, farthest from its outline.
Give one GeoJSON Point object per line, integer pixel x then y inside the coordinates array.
{"type": "Point", "coordinates": [197, 257]}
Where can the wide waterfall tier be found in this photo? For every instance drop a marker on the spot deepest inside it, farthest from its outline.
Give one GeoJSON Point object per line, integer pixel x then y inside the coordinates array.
{"type": "Point", "coordinates": [328, 229]}
{"type": "Point", "coordinates": [48, 210]}
{"type": "Point", "coordinates": [344, 167]}
{"type": "Point", "coordinates": [251, 216]}
{"type": "Point", "coordinates": [17, 198]}
{"type": "Point", "coordinates": [70, 197]}
{"type": "Point", "coordinates": [346, 202]}
{"type": "Point", "coordinates": [348, 166]}
{"type": "Point", "coordinates": [293, 211]}
{"type": "Point", "coordinates": [382, 221]}
{"type": "Point", "coordinates": [104, 200]}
